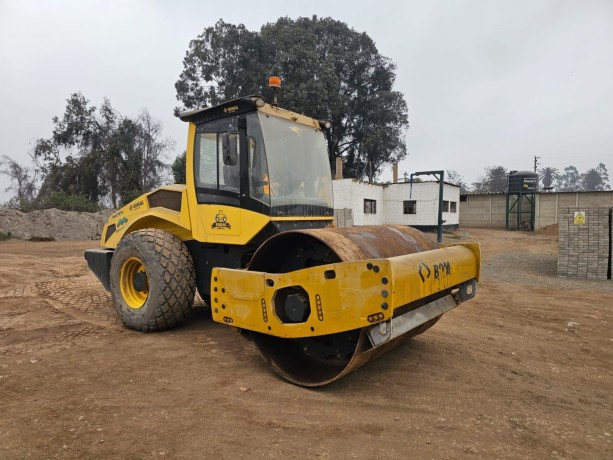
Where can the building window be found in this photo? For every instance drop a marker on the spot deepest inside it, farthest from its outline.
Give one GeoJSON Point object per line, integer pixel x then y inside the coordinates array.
{"type": "Point", "coordinates": [409, 207]}
{"type": "Point", "coordinates": [453, 206]}
{"type": "Point", "coordinates": [370, 206]}
{"type": "Point", "coordinates": [445, 206]}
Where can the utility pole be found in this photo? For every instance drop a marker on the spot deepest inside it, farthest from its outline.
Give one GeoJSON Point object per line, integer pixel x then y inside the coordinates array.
{"type": "Point", "coordinates": [536, 162]}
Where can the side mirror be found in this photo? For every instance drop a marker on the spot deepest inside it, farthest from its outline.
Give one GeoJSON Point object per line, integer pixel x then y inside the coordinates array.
{"type": "Point", "coordinates": [229, 144]}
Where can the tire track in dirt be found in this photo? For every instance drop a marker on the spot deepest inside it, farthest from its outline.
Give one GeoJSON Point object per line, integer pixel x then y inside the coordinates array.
{"type": "Point", "coordinates": [75, 293]}
{"type": "Point", "coordinates": [28, 291]}
{"type": "Point", "coordinates": [36, 346]}
{"type": "Point", "coordinates": [88, 311]}
{"type": "Point", "coordinates": [70, 290]}
{"type": "Point", "coordinates": [85, 309]}
{"type": "Point", "coordinates": [10, 319]}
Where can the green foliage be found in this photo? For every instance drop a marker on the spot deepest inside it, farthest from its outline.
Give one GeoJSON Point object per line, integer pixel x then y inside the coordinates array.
{"type": "Point", "coordinates": [548, 175]}
{"type": "Point", "coordinates": [130, 196]}
{"type": "Point", "coordinates": [178, 169]}
{"type": "Point", "coordinates": [594, 179]}
{"type": "Point", "coordinates": [329, 71]}
{"type": "Point", "coordinates": [456, 178]}
{"type": "Point", "coordinates": [5, 236]}
{"type": "Point", "coordinates": [58, 200]}
{"type": "Point", "coordinates": [568, 180]}
{"type": "Point", "coordinates": [494, 180]}
{"type": "Point", "coordinates": [66, 202]}
{"type": "Point", "coordinates": [14, 203]}
{"type": "Point", "coordinates": [22, 182]}
{"type": "Point", "coordinates": [96, 152]}
{"type": "Point", "coordinates": [226, 54]}
{"type": "Point", "coordinates": [604, 174]}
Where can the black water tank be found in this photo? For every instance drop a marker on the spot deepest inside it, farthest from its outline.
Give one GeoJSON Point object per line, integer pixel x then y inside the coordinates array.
{"type": "Point", "coordinates": [523, 182]}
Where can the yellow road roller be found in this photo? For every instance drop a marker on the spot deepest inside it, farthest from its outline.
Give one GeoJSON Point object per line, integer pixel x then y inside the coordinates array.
{"type": "Point", "coordinates": [252, 230]}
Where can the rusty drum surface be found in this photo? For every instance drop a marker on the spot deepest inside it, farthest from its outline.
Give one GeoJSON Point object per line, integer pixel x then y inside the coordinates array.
{"type": "Point", "coordinates": [321, 360]}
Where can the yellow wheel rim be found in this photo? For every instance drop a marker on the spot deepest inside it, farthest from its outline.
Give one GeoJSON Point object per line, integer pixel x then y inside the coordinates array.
{"type": "Point", "coordinates": [134, 283]}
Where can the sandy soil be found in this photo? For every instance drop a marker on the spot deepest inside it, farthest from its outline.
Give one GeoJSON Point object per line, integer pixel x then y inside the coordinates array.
{"type": "Point", "coordinates": [53, 224]}
{"type": "Point", "coordinates": [523, 370]}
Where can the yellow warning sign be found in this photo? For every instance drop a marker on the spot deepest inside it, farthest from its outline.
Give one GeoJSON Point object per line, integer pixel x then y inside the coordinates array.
{"type": "Point", "coordinates": [579, 218]}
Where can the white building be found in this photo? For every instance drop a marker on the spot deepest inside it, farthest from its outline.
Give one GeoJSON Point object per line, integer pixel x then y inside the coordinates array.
{"type": "Point", "coordinates": [397, 203]}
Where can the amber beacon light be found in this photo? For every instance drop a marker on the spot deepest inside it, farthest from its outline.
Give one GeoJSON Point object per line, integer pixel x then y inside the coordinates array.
{"type": "Point", "coordinates": [275, 84]}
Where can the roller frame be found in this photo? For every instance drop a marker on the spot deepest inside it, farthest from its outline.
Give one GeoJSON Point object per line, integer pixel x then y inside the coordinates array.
{"type": "Point", "coordinates": [343, 296]}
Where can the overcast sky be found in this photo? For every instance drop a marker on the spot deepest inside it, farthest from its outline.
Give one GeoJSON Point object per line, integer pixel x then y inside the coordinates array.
{"type": "Point", "coordinates": [487, 82]}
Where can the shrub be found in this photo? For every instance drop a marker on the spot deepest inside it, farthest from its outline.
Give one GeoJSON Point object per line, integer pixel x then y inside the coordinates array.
{"type": "Point", "coordinates": [66, 202]}
{"type": "Point", "coordinates": [128, 197]}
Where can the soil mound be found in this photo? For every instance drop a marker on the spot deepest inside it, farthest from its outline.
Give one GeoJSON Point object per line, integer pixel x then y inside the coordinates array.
{"type": "Point", "coordinates": [550, 230]}
{"type": "Point", "coordinates": [53, 224]}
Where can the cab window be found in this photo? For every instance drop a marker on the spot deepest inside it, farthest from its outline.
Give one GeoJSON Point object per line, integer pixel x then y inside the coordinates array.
{"type": "Point", "coordinates": [213, 167]}
{"type": "Point", "coordinates": [259, 183]}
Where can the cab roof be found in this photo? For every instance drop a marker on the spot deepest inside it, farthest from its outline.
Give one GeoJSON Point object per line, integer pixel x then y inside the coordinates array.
{"type": "Point", "coordinates": [225, 109]}
{"type": "Point", "coordinates": [244, 105]}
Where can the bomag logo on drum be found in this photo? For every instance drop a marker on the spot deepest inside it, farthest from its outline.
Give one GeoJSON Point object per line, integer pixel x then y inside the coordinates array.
{"type": "Point", "coordinates": [221, 221]}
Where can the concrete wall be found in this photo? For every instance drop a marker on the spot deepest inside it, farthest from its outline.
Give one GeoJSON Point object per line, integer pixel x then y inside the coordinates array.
{"type": "Point", "coordinates": [350, 194]}
{"type": "Point", "coordinates": [483, 210]}
{"type": "Point", "coordinates": [343, 217]}
{"type": "Point", "coordinates": [426, 196]}
{"type": "Point", "coordinates": [585, 243]}
{"type": "Point", "coordinates": [488, 210]}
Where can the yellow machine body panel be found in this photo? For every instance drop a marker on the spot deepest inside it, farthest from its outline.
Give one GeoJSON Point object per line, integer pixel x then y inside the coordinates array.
{"type": "Point", "coordinates": [208, 224]}
{"type": "Point", "coordinates": [342, 296]}
{"type": "Point", "coordinates": [319, 301]}
{"type": "Point", "coordinates": [144, 212]}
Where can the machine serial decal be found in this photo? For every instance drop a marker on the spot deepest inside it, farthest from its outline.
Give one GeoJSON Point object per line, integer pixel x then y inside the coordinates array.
{"type": "Point", "coordinates": [221, 221]}
{"type": "Point", "coordinates": [440, 269]}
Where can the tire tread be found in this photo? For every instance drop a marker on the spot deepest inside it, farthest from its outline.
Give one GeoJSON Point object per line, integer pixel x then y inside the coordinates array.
{"type": "Point", "coordinates": [172, 271]}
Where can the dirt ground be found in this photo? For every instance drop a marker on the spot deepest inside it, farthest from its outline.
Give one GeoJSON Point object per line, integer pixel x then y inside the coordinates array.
{"type": "Point", "coordinates": [523, 370]}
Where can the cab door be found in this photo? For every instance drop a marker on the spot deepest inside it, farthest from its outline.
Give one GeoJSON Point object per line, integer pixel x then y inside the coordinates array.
{"type": "Point", "coordinates": [221, 183]}
{"type": "Point", "coordinates": [217, 180]}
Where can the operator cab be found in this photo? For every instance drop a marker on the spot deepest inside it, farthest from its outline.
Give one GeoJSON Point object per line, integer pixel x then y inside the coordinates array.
{"type": "Point", "coordinates": [262, 158]}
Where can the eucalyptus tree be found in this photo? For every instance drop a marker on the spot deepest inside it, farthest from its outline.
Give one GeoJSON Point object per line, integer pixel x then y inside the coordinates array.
{"type": "Point", "coordinates": [96, 152]}
{"type": "Point", "coordinates": [494, 180]}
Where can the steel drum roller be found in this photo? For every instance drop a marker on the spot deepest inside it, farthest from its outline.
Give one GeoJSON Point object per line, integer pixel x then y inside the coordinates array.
{"type": "Point", "coordinates": [321, 360]}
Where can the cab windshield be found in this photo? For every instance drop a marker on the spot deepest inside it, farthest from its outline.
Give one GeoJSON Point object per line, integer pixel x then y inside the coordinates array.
{"type": "Point", "coordinates": [298, 180]}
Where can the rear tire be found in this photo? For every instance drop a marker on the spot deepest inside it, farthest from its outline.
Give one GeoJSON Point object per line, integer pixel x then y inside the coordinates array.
{"type": "Point", "coordinates": [152, 280]}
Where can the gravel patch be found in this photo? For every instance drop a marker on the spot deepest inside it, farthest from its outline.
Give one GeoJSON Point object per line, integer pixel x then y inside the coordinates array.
{"type": "Point", "coordinates": [535, 270]}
